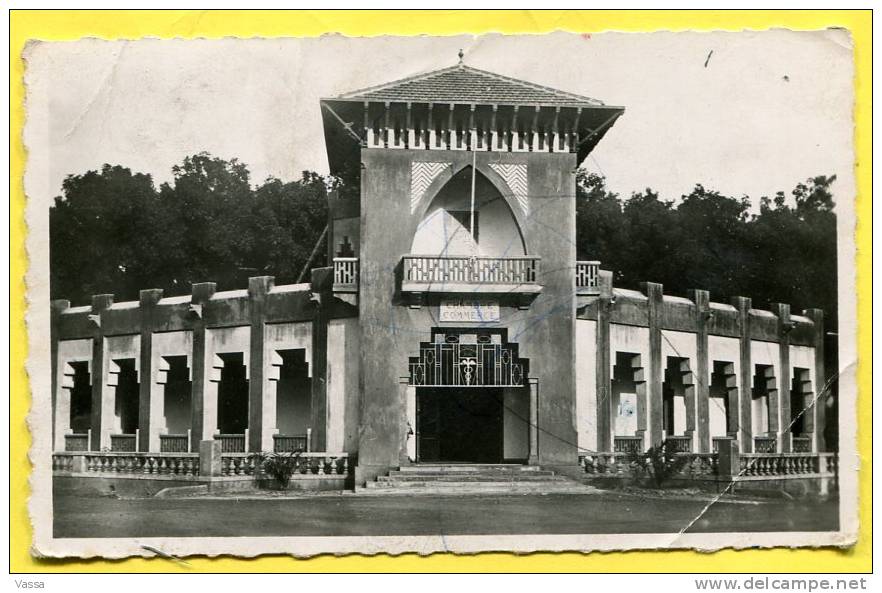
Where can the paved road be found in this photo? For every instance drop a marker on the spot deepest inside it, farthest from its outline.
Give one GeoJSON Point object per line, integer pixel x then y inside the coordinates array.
{"type": "Point", "coordinates": [78, 516]}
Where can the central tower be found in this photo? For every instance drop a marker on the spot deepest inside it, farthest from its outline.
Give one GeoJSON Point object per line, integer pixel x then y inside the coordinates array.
{"type": "Point", "coordinates": [464, 234]}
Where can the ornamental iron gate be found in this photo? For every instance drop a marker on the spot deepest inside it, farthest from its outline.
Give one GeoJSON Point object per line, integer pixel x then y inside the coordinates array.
{"type": "Point", "coordinates": [468, 358]}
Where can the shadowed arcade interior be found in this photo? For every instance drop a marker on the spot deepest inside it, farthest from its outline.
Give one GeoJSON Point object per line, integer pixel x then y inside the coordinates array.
{"type": "Point", "coordinates": [81, 398]}
{"type": "Point", "coordinates": [126, 396]}
{"type": "Point", "coordinates": [293, 395]}
{"type": "Point", "coordinates": [232, 395]}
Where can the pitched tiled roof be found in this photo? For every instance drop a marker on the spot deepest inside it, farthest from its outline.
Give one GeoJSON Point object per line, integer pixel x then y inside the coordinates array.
{"type": "Point", "coordinates": [464, 84]}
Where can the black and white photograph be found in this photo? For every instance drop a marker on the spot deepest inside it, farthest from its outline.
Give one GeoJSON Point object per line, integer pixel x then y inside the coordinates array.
{"type": "Point", "coordinates": [416, 294]}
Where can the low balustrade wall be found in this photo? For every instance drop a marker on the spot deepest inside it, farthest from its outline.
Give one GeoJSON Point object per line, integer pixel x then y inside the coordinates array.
{"type": "Point", "coordinates": [318, 464]}
{"type": "Point", "coordinates": [701, 465]}
{"type": "Point", "coordinates": [130, 463]}
{"type": "Point", "coordinates": [741, 466]}
{"type": "Point", "coordinates": [133, 464]}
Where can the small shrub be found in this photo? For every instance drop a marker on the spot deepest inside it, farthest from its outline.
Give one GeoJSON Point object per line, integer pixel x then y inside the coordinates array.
{"type": "Point", "coordinates": [280, 467]}
{"type": "Point", "coordinates": [659, 462]}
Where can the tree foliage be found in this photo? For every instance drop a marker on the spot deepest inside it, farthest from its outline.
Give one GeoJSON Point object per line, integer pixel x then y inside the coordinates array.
{"type": "Point", "coordinates": [784, 252]}
{"type": "Point", "coordinates": [113, 231]}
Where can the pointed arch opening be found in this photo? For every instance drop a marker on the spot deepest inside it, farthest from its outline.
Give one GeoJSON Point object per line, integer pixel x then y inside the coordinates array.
{"type": "Point", "coordinates": [446, 228]}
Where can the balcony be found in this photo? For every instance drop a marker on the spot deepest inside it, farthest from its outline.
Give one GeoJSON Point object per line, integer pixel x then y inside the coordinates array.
{"type": "Point", "coordinates": [345, 274]}
{"type": "Point", "coordinates": [470, 274]}
{"type": "Point", "coordinates": [587, 277]}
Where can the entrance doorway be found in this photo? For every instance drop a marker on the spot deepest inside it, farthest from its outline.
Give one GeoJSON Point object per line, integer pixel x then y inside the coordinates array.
{"type": "Point", "coordinates": [459, 425]}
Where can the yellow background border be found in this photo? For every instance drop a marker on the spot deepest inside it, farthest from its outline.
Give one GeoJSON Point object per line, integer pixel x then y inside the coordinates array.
{"type": "Point", "coordinates": [65, 25]}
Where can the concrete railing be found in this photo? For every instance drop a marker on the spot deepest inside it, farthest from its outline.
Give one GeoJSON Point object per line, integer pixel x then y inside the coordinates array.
{"type": "Point", "coordinates": [717, 442]}
{"type": "Point", "coordinates": [727, 464]}
{"type": "Point", "coordinates": [445, 270]}
{"type": "Point", "coordinates": [802, 444]}
{"type": "Point", "coordinates": [209, 462]}
{"type": "Point", "coordinates": [679, 444]}
{"type": "Point", "coordinates": [285, 443]}
{"type": "Point", "coordinates": [174, 443]}
{"type": "Point", "coordinates": [231, 443]}
{"type": "Point", "coordinates": [322, 464]}
{"type": "Point", "coordinates": [701, 465]}
{"type": "Point", "coordinates": [345, 274]}
{"type": "Point", "coordinates": [587, 277]}
{"type": "Point", "coordinates": [786, 464]}
{"type": "Point", "coordinates": [765, 444]}
{"type": "Point", "coordinates": [124, 442]}
{"type": "Point", "coordinates": [130, 463]}
{"type": "Point", "coordinates": [77, 442]}
{"type": "Point", "coordinates": [627, 444]}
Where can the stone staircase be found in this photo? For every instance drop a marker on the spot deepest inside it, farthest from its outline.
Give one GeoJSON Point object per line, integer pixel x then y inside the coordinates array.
{"type": "Point", "coordinates": [472, 478]}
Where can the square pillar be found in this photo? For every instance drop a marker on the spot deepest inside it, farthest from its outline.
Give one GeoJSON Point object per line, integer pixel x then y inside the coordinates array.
{"type": "Point", "coordinates": [407, 421]}
{"type": "Point", "coordinates": [655, 294]}
{"type": "Point", "coordinates": [818, 410]}
{"type": "Point", "coordinates": [200, 429]}
{"type": "Point", "coordinates": [261, 414]}
{"type": "Point", "coordinates": [701, 298]}
{"type": "Point", "coordinates": [322, 281]}
{"type": "Point", "coordinates": [784, 434]}
{"type": "Point", "coordinates": [100, 437]}
{"type": "Point", "coordinates": [729, 461]}
{"type": "Point", "coordinates": [209, 458]}
{"type": "Point", "coordinates": [533, 458]}
{"type": "Point", "coordinates": [150, 409]}
{"type": "Point", "coordinates": [57, 308]}
{"type": "Point", "coordinates": [745, 436]}
{"type": "Point", "coordinates": [603, 366]}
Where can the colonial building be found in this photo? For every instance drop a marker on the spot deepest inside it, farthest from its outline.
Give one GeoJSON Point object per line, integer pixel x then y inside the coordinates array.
{"type": "Point", "coordinates": [454, 324]}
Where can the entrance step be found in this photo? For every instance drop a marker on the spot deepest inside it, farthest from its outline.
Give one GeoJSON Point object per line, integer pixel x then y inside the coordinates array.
{"type": "Point", "coordinates": [469, 468]}
{"type": "Point", "coordinates": [451, 479]}
{"type": "Point", "coordinates": [394, 477]}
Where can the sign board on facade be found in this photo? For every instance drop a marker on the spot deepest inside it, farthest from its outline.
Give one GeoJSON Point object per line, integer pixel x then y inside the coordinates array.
{"type": "Point", "coordinates": [468, 310]}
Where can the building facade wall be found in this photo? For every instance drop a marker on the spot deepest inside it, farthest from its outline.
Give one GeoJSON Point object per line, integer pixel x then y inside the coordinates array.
{"type": "Point", "coordinates": [388, 228]}
{"type": "Point", "coordinates": [586, 384]}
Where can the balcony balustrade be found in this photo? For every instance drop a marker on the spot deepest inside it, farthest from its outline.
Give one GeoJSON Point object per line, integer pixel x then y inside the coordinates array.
{"type": "Point", "coordinates": [587, 277]}
{"type": "Point", "coordinates": [470, 274]}
{"type": "Point", "coordinates": [802, 444]}
{"type": "Point", "coordinates": [765, 444]}
{"type": "Point", "coordinates": [679, 444]}
{"type": "Point", "coordinates": [231, 443]}
{"type": "Point", "coordinates": [285, 443]}
{"type": "Point", "coordinates": [345, 274]}
{"type": "Point", "coordinates": [123, 442]}
{"type": "Point", "coordinates": [174, 443]}
{"type": "Point", "coordinates": [716, 442]}
{"type": "Point", "coordinates": [628, 444]}
{"type": "Point", "coordinates": [76, 442]}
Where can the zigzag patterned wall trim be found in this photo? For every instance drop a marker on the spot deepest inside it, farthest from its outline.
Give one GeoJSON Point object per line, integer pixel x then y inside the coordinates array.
{"type": "Point", "coordinates": [516, 178]}
{"type": "Point", "coordinates": [422, 174]}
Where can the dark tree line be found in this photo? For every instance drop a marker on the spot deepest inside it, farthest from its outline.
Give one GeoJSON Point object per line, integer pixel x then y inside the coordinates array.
{"type": "Point", "coordinates": [113, 231]}
{"type": "Point", "coordinates": [784, 252]}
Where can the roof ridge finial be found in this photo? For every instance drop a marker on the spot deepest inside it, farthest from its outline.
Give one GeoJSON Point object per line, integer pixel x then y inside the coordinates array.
{"type": "Point", "coordinates": [461, 55]}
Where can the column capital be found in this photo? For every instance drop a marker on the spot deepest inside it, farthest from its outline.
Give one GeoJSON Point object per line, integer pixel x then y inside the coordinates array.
{"type": "Point", "coordinates": [654, 290]}
{"type": "Point", "coordinates": [59, 305]}
{"type": "Point", "coordinates": [203, 291]}
{"type": "Point", "coordinates": [260, 285]}
{"type": "Point", "coordinates": [605, 283]}
{"type": "Point", "coordinates": [701, 298]}
{"type": "Point", "coordinates": [741, 303]}
{"type": "Point", "coordinates": [149, 297]}
{"type": "Point", "coordinates": [101, 302]}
